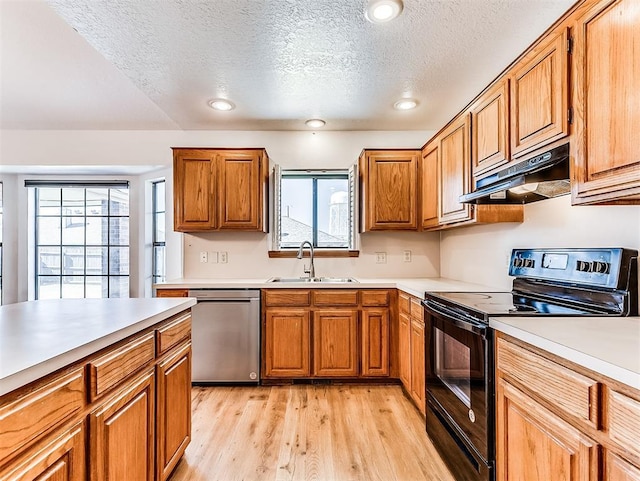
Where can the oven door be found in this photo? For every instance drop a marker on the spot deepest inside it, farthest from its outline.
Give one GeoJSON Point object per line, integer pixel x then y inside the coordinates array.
{"type": "Point", "coordinates": [459, 375]}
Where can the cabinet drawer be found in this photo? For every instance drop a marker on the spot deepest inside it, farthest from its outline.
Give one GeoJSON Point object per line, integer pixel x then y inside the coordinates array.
{"type": "Point", "coordinates": [287, 297]}
{"type": "Point", "coordinates": [330, 298]}
{"type": "Point", "coordinates": [112, 367]}
{"type": "Point", "coordinates": [417, 310]}
{"type": "Point", "coordinates": [624, 421]}
{"type": "Point", "coordinates": [375, 298]}
{"type": "Point", "coordinates": [25, 418]}
{"type": "Point", "coordinates": [173, 332]}
{"type": "Point", "coordinates": [404, 303]}
{"type": "Point", "coordinates": [172, 293]}
{"type": "Point", "coordinates": [575, 394]}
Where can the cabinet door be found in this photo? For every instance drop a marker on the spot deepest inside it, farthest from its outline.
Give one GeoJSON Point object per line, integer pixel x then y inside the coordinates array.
{"type": "Point", "coordinates": [287, 343]}
{"type": "Point", "coordinates": [455, 172]}
{"type": "Point", "coordinates": [391, 197]}
{"type": "Point", "coordinates": [375, 342]}
{"type": "Point", "coordinates": [335, 345]}
{"type": "Point", "coordinates": [429, 185]}
{"type": "Point", "coordinates": [121, 433]}
{"type": "Point", "coordinates": [194, 178]}
{"type": "Point", "coordinates": [534, 444]}
{"type": "Point", "coordinates": [490, 129]}
{"type": "Point", "coordinates": [404, 346]}
{"type": "Point", "coordinates": [173, 410]}
{"type": "Point", "coordinates": [59, 457]}
{"type": "Point", "coordinates": [606, 68]}
{"type": "Point", "coordinates": [240, 189]}
{"type": "Point", "coordinates": [540, 97]}
{"type": "Point", "coordinates": [418, 365]}
{"type": "Point", "coordinates": [619, 469]}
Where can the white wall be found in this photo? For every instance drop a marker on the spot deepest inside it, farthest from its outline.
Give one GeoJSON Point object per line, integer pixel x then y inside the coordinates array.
{"type": "Point", "coordinates": [480, 253]}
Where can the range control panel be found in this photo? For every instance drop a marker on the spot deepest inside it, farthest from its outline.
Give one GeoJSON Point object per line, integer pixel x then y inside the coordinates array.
{"type": "Point", "coordinates": [602, 267]}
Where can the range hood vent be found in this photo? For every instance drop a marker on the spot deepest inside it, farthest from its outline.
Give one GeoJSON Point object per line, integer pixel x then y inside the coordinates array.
{"type": "Point", "coordinates": [537, 178]}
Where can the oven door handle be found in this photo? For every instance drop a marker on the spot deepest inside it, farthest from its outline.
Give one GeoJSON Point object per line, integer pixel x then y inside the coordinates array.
{"type": "Point", "coordinates": [455, 317]}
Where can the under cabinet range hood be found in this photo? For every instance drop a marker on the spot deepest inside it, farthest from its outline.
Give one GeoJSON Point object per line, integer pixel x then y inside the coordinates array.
{"type": "Point", "coordinates": [537, 178]}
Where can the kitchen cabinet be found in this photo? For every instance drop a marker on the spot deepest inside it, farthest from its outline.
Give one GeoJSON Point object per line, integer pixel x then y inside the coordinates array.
{"type": "Point", "coordinates": [554, 419]}
{"type": "Point", "coordinates": [539, 85]}
{"type": "Point", "coordinates": [326, 333]}
{"type": "Point", "coordinates": [455, 172]}
{"type": "Point", "coordinates": [430, 182]}
{"type": "Point", "coordinates": [411, 345]}
{"type": "Point", "coordinates": [606, 71]}
{"type": "Point", "coordinates": [389, 190]}
{"type": "Point", "coordinates": [172, 292]}
{"type": "Point", "coordinates": [220, 189]}
{"type": "Point", "coordinates": [490, 129]}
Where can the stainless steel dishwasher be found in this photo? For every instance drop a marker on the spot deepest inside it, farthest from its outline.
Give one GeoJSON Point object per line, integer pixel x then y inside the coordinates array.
{"type": "Point", "coordinates": [226, 336]}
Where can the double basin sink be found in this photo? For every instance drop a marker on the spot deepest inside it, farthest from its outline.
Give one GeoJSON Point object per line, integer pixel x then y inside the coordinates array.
{"type": "Point", "coordinates": [340, 280]}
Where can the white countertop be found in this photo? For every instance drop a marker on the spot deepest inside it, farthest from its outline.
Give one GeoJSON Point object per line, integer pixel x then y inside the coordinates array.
{"type": "Point", "coordinates": [413, 286]}
{"type": "Point", "coordinates": [40, 337]}
{"type": "Point", "coordinates": [607, 345]}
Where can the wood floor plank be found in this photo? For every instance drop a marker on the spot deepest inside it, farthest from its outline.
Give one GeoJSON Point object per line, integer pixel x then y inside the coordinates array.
{"type": "Point", "coordinates": [307, 432]}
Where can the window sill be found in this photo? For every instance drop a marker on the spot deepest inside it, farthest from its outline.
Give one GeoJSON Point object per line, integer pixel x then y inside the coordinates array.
{"type": "Point", "coordinates": [316, 253]}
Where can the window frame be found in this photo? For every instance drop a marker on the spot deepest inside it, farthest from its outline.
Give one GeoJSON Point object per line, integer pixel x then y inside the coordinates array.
{"type": "Point", "coordinates": [155, 277]}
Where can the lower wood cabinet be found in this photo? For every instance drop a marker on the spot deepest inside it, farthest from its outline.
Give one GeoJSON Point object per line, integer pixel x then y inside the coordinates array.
{"type": "Point", "coordinates": [375, 343]}
{"type": "Point", "coordinates": [287, 343]}
{"type": "Point", "coordinates": [417, 390]}
{"type": "Point", "coordinates": [411, 347]}
{"type": "Point", "coordinates": [335, 344]}
{"type": "Point", "coordinates": [404, 348]}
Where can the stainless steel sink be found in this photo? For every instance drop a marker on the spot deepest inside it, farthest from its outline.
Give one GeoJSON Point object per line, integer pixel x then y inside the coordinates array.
{"type": "Point", "coordinates": [340, 280]}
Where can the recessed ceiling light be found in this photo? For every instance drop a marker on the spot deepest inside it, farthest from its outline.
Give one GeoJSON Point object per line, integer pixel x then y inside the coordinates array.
{"type": "Point", "coordinates": [380, 11]}
{"type": "Point", "coordinates": [405, 104]}
{"type": "Point", "coordinates": [221, 104]}
{"type": "Point", "coordinates": [315, 123]}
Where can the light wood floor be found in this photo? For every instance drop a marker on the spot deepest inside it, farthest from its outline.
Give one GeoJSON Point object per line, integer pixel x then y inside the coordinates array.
{"type": "Point", "coordinates": [308, 432]}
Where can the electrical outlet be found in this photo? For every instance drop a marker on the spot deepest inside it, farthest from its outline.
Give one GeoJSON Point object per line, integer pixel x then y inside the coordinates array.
{"type": "Point", "coordinates": [213, 257]}
{"type": "Point", "coordinates": [381, 257]}
{"type": "Point", "coordinates": [204, 257]}
{"type": "Point", "coordinates": [224, 257]}
{"type": "Point", "coordinates": [406, 255]}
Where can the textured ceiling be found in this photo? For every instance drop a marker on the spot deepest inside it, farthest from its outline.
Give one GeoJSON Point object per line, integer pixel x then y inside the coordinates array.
{"type": "Point", "coordinates": [154, 64]}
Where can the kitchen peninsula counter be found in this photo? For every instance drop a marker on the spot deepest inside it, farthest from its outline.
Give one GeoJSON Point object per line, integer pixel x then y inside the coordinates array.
{"type": "Point", "coordinates": [40, 337]}
{"type": "Point", "coordinates": [606, 345]}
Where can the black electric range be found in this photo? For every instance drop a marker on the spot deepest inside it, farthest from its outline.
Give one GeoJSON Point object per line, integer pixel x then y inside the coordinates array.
{"type": "Point", "coordinates": [459, 342]}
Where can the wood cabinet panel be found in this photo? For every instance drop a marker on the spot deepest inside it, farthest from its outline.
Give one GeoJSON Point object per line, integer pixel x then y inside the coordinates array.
{"type": "Point", "coordinates": [404, 346]}
{"type": "Point", "coordinates": [58, 457]}
{"type": "Point", "coordinates": [389, 188]}
{"type": "Point", "coordinates": [540, 96]}
{"type": "Point", "coordinates": [173, 332]}
{"type": "Point", "coordinates": [240, 190]}
{"type": "Point", "coordinates": [113, 367]}
{"type": "Point", "coordinates": [375, 298]}
{"type": "Point", "coordinates": [618, 469]}
{"type": "Point", "coordinates": [25, 418]}
{"type": "Point", "coordinates": [194, 178]}
{"type": "Point", "coordinates": [172, 293]}
{"type": "Point", "coordinates": [624, 421]}
{"type": "Point", "coordinates": [605, 72]}
{"type": "Point", "coordinates": [287, 343]}
{"type": "Point", "coordinates": [535, 444]}
{"type": "Point", "coordinates": [417, 310]}
{"type": "Point", "coordinates": [404, 302]}
{"type": "Point", "coordinates": [490, 129]}
{"type": "Point", "coordinates": [287, 297]}
{"type": "Point", "coordinates": [331, 298]}
{"type": "Point", "coordinates": [455, 172]}
{"type": "Point", "coordinates": [121, 433]}
{"type": "Point", "coordinates": [418, 392]}
{"type": "Point", "coordinates": [173, 410]}
{"type": "Point", "coordinates": [570, 391]}
{"type": "Point", "coordinates": [430, 182]}
{"type": "Point", "coordinates": [335, 344]}
{"type": "Point", "coordinates": [375, 342]}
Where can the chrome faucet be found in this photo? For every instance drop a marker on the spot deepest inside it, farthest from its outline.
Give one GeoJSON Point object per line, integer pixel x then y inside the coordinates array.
{"type": "Point", "coordinates": [312, 270]}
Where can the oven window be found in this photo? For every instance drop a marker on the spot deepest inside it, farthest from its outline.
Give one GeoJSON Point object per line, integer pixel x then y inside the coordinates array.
{"type": "Point", "coordinates": [453, 366]}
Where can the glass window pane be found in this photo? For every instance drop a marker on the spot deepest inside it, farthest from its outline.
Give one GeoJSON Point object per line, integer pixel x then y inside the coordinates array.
{"type": "Point", "coordinates": [73, 230]}
{"type": "Point", "coordinates": [48, 287]}
{"type": "Point", "coordinates": [119, 202]}
{"type": "Point", "coordinates": [97, 230]}
{"type": "Point", "coordinates": [160, 196]}
{"type": "Point", "coordinates": [49, 260]}
{"type": "Point", "coordinates": [119, 286]}
{"type": "Point", "coordinates": [73, 261]}
{"type": "Point", "coordinates": [73, 202]}
{"type": "Point", "coordinates": [159, 224]}
{"type": "Point", "coordinates": [119, 261]}
{"type": "Point", "coordinates": [72, 287]}
{"type": "Point", "coordinates": [48, 230]}
{"type": "Point", "coordinates": [296, 211]}
{"type": "Point", "coordinates": [96, 261]}
{"type": "Point", "coordinates": [159, 266]}
{"type": "Point", "coordinates": [333, 212]}
{"type": "Point", "coordinates": [97, 287]}
{"type": "Point", "coordinates": [97, 201]}
{"type": "Point", "coordinates": [49, 201]}
{"type": "Point", "coordinates": [119, 231]}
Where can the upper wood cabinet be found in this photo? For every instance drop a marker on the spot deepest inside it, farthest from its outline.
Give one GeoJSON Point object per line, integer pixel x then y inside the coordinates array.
{"type": "Point", "coordinates": [490, 129]}
{"type": "Point", "coordinates": [220, 189]}
{"type": "Point", "coordinates": [455, 171]}
{"type": "Point", "coordinates": [389, 189]}
{"type": "Point", "coordinates": [429, 181]}
{"type": "Point", "coordinates": [540, 95]}
{"type": "Point", "coordinates": [606, 82]}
